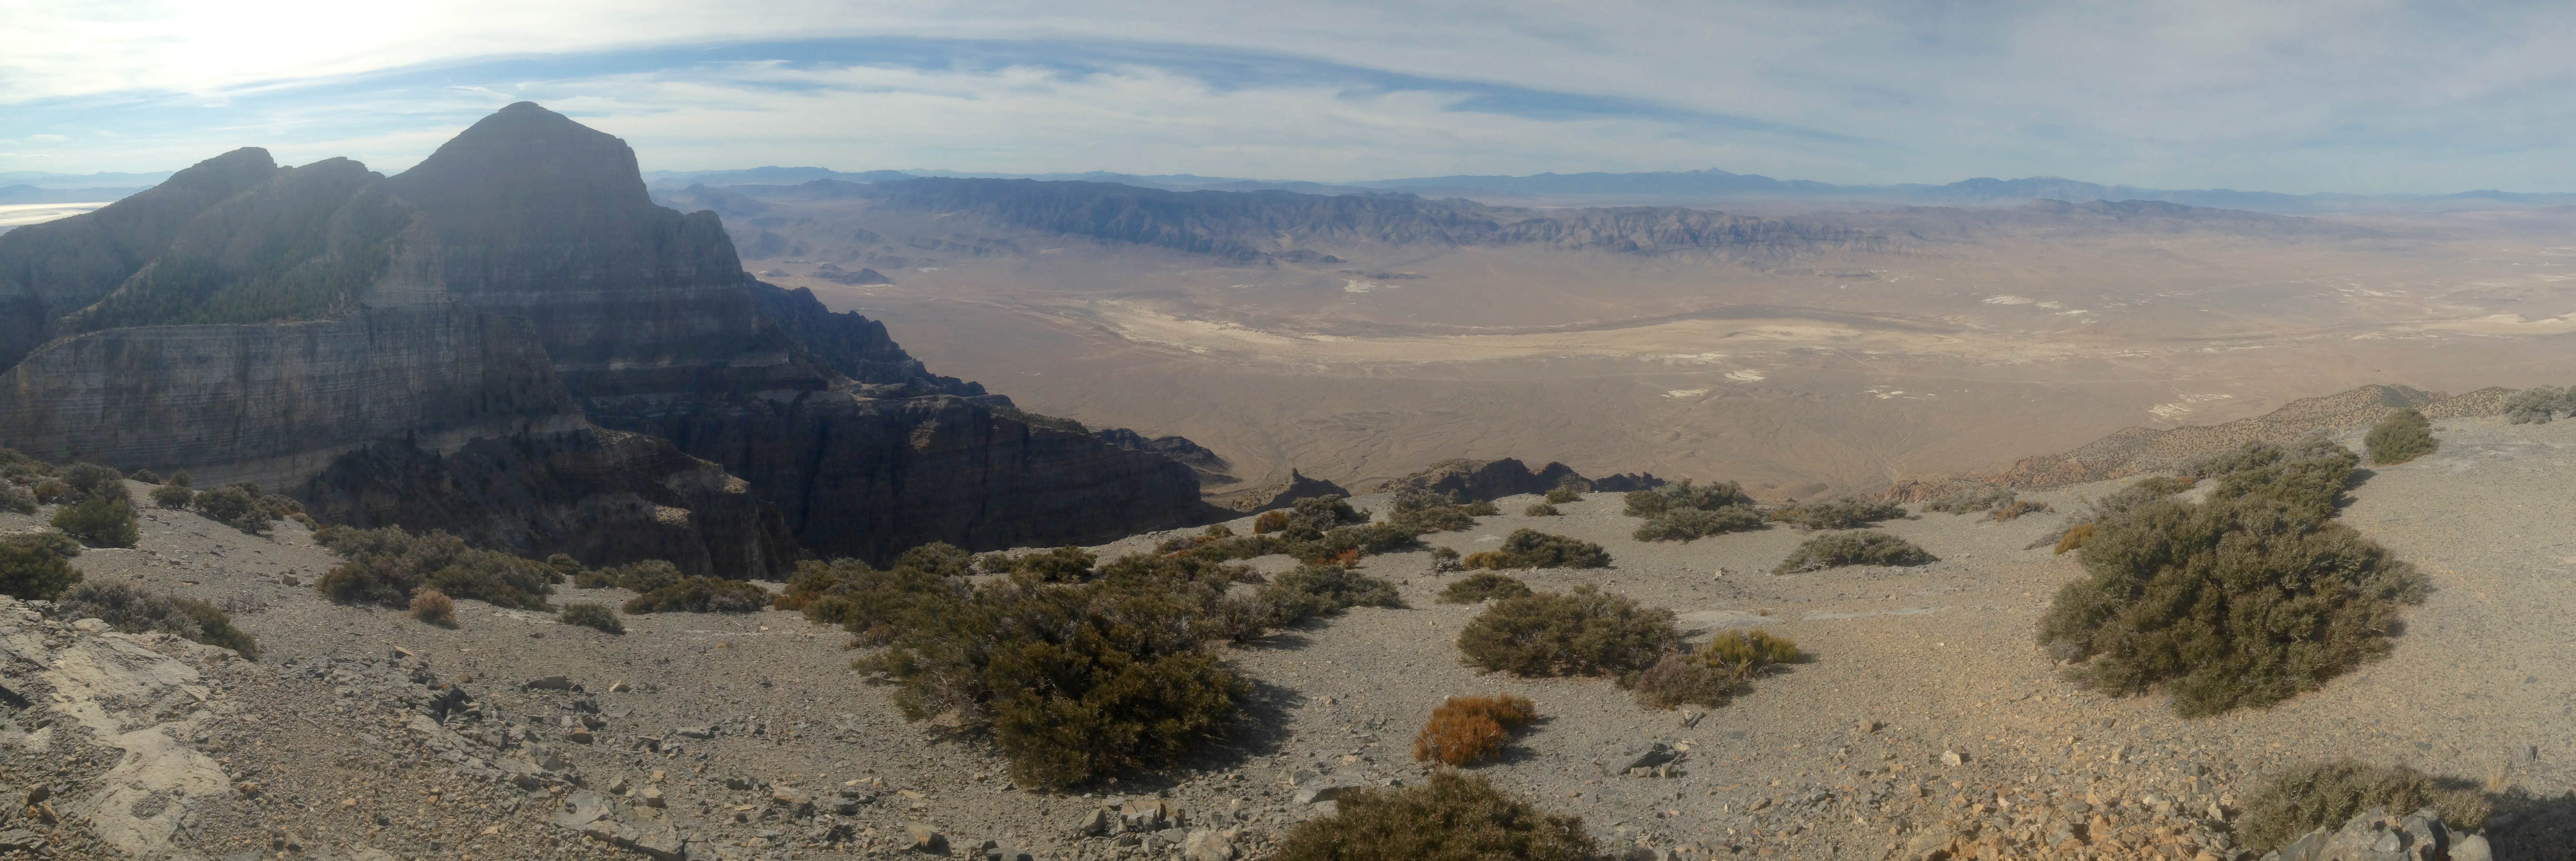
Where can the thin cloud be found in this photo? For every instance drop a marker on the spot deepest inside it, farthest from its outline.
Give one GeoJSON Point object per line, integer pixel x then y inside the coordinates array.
{"type": "Point", "coordinates": [2293, 96]}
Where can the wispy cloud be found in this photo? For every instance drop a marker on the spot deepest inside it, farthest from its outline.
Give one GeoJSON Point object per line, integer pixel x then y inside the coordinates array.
{"type": "Point", "coordinates": [2294, 96]}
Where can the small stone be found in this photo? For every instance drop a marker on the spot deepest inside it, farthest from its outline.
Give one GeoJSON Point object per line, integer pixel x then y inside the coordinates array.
{"type": "Point", "coordinates": [924, 838]}
{"type": "Point", "coordinates": [1322, 793]}
{"type": "Point", "coordinates": [1952, 757]}
{"type": "Point", "coordinates": [620, 786]}
{"type": "Point", "coordinates": [696, 731]}
{"type": "Point", "coordinates": [1094, 823]}
{"type": "Point", "coordinates": [738, 784]}
{"type": "Point", "coordinates": [579, 736]}
{"type": "Point", "coordinates": [650, 795]}
{"type": "Point", "coordinates": [619, 688]}
{"type": "Point", "coordinates": [247, 788]}
{"type": "Point", "coordinates": [94, 626]}
{"type": "Point", "coordinates": [2472, 848]}
{"type": "Point", "coordinates": [1691, 717]}
{"type": "Point", "coordinates": [550, 683]}
{"type": "Point", "coordinates": [1208, 845]}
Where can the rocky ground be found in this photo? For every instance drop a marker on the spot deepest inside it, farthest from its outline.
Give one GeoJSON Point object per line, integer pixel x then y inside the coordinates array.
{"type": "Point", "coordinates": [1923, 719]}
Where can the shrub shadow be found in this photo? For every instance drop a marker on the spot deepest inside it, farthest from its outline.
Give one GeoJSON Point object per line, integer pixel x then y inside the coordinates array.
{"type": "Point", "coordinates": [2542, 828]}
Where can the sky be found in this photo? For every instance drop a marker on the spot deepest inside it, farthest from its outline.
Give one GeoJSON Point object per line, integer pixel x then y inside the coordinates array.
{"type": "Point", "coordinates": [2287, 95]}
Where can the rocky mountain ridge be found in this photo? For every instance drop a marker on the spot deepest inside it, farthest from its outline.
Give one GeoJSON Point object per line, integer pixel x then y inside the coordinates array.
{"type": "Point", "coordinates": [475, 344]}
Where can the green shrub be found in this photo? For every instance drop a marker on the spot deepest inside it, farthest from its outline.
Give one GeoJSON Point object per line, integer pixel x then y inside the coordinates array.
{"type": "Point", "coordinates": [1060, 565]}
{"type": "Point", "coordinates": [1416, 498]}
{"type": "Point", "coordinates": [1480, 508]}
{"type": "Point", "coordinates": [642, 576]}
{"type": "Point", "coordinates": [1452, 817]}
{"type": "Point", "coordinates": [591, 615]}
{"type": "Point", "coordinates": [49, 491]}
{"type": "Point", "coordinates": [2539, 405]}
{"type": "Point", "coordinates": [1689, 524]}
{"type": "Point", "coordinates": [2325, 796]}
{"type": "Point", "coordinates": [16, 500]}
{"type": "Point", "coordinates": [20, 468]}
{"type": "Point", "coordinates": [1540, 509]}
{"type": "Point", "coordinates": [1586, 632]}
{"type": "Point", "coordinates": [1310, 591]}
{"type": "Point", "coordinates": [1530, 548]}
{"type": "Point", "coordinates": [2243, 600]}
{"type": "Point", "coordinates": [1683, 494]}
{"type": "Point", "coordinates": [181, 478]}
{"type": "Point", "coordinates": [86, 481]}
{"type": "Point", "coordinates": [1970, 500]}
{"type": "Point", "coordinates": [385, 566]}
{"type": "Point", "coordinates": [1841, 512]}
{"type": "Point", "coordinates": [563, 567]}
{"type": "Point", "coordinates": [1852, 547]}
{"type": "Point", "coordinates": [1483, 586]}
{"type": "Point", "coordinates": [135, 611]}
{"type": "Point", "coordinates": [1438, 518]}
{"type": "Point", "coordinates": [1563, 494]}
{"type": "Point", "coordinates": [102, 520]}
{"type": "Point", "coordinates": [1350, 542]}
{"type": "Point", "coordinates": [1309, 517]}
{"type": "Point", "coordinates": [860, 599]}
{"type": "Point", "coordinates": [2403, 436]}
{"type": "Point", "coordinates": [145, 475]}
{"type": "Point", "coordinates": [36, 566]}
{"type": "Point", "coordinates": [701, 595]}
{"type": "Point", "coordinates": [1710, 675]}
{"type": "Point", "coordinates": [173, 496]}
{"type": "Point", "coordinates": [1075, 681]}
{"type": "Point", "coordinates": [237, 506]}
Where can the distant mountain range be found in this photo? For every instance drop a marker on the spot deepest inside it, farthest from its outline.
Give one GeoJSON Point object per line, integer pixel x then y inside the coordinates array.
{"type": "Point", "coordinates": [1669, 188]}
{"type": "Point", "coordinates": [1664, 187]}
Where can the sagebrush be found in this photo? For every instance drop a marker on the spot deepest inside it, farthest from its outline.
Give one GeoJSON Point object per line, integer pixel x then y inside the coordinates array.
{"type": "Point", "coordinates": [1584, 632]}
{"type": "Point", "coordinates": [1691, 524]}
{"type": "Point", "coordinates": [136, 611]}
{"type": "Point", "coordinates": [2403, 436]}
{"type": "Point", "coordinates": [1072, 681]}
{"type": "Point", "coordinates": [1711, 674]}
{"type": "Point", "coordinates": [1853, 547]}
{"type": "Point", "coordinates": [37, 566]}
{"type": "Point", "coordinates": [1450, 817]}
{"type": "Point", "coordinates": [1842, 512]}
{"type": "Point", "coordinates": [2539, 405]}
{"type": "Point", "coordinates": [2328, 794]}
{"type": "Point", "coordinates": [701, 595]}
{"type": "Point", "coordinates": [433, 606]}
{"type": "Point", "coordinates": [590, 615]}
{"type": "Point", "coordinates": [2245, 599]}
{"type": "Point", "coordinates": [1482, 586]}
{"type": "Point", "coordinates": [385, 566]}
{"type": "Point", "coordinates": [1970, 500]}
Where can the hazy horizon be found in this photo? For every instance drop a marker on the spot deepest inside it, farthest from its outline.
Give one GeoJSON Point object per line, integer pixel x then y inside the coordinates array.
{"type": "Point", "coordinates": [2307, 98]}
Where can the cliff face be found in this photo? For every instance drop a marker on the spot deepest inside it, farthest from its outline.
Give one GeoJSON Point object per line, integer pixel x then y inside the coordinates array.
{"type": "Point", "coordinates": [871, 478]}
{"type": "Point", "coordinates": [848, 344]}
{"type": "Point", "coordinates": [273, 403]}
{"type": "Point", "coordinates": [422, 350]}
{"type": "Point", "coordinates": [541, 218]}
{"type": "Point", "coordinates": [52, 269]}
{"type": "Point", "coordinates": [605, 497]}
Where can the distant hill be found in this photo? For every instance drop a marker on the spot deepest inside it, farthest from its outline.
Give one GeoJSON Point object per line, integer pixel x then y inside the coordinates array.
{"type": "Point", "coordinates": [1701, 187]}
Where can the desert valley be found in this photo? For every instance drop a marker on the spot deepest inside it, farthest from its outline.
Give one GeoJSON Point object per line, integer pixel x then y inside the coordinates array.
{"type": "Point", "coordinates": [522, 504]}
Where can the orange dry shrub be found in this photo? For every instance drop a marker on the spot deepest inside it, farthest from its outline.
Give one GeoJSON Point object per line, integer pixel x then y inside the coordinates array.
{"type": "Point", "coordinates": [1489, 560]}
{"type": "Point", "coordinates": [2075, 537]}
{"type": "Point", "coordinates": [1269, 522]}
{"type": "Point", "coordinates": [1347, 558]}
{"type": "Point", "coordinates": [433, 606]}
{"type": "Point", "coordinates": [1467, 730]}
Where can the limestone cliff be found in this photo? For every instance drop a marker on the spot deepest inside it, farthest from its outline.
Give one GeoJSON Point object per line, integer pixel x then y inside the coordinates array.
{"type": "Point", "coordinates": [422, 351]}
{"type": "Point", "coordinates": [605, 497]}
{"type": "Point", "coordinates": [52, 269]}
{"type": "Point", "coordinates": [870, 478]}
{"type": "Point", "coordinates": [542, 218]}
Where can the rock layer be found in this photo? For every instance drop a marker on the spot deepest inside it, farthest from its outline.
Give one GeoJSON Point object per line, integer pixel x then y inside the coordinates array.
{"type": "Point", "coordinates": [870, 478]}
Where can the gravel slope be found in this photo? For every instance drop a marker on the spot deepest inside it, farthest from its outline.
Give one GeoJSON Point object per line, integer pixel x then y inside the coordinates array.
{"type": "Point", "coordinates": [1840, 757]}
